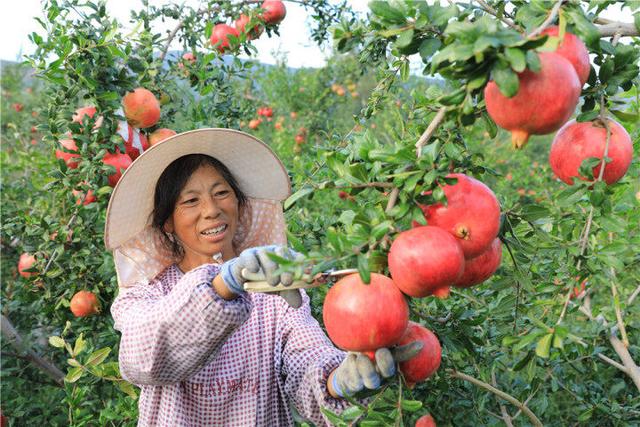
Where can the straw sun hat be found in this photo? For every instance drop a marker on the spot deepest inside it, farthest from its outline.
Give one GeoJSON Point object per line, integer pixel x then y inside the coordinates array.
{"type": "Point", "coordinates": [138, 254]}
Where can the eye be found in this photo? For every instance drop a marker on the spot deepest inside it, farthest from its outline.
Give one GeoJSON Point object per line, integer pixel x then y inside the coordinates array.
{"type": "Point", "coordinates": [222, 193]}
{"type": "Point", "coordinates": [190, 201]}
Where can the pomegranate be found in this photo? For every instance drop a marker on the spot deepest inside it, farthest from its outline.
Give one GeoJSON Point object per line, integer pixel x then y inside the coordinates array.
{"type": "Point", "coordinates": [254, 123]}
{"type": "Point", "coordinates": [426, 421]}
{"type": "Point", "coordinates": [160, 135]}
{"type": "Point", "coordinates": [220, 34]}
{"type": "Point", "coordinates": [25, 262]}
{"type": "Point", "coordinates": [472, 214]}
{"type": "Point", "coordinates": [84, 303]}
{"type": "Point", "coordinates": [141, 108]}
{"type": "Point", "coordinates": [241, 24]}
{"type": "Point", "coordinates": [299, 139]}
{"type": "Point", "coordinates": [120, 162]}
{"type": "Point", "coordinates": [361, 317]}
{"type": "Point", "coordinates": [274, 11]}
{"type": "Point", "coordinates": [576, 142]}
{"type": "Point", "coordinates": [425, 363]}
{"type": "Point", "coordinates": [425, 261]}
{"type": "Point", "coordinates": [480, 268]}
{"type": "Point", "coordinates": [544, 102]}
{"type": "Point", "coordinates": [189, 57]}
{"type": "Point", "coordinates": [574, 50]}
{"type": "Point", "coordinates": [66, 156]}
{"type": "Point", "coordinates": [90, 111]}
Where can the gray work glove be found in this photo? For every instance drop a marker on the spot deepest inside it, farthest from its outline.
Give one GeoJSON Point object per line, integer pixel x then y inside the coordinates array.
{"type": "Point", "coordinates": [256, 260]}
{"type": "Point", "coordinates": [357, 371]}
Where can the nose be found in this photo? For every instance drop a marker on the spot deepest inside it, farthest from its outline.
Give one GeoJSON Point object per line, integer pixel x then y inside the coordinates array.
{"type": "Point", "coordinates": [210, 208]}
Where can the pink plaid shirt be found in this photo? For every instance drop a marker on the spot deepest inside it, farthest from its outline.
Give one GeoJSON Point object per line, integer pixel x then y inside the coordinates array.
{"type": "Point", "coordinates": [203, 361]}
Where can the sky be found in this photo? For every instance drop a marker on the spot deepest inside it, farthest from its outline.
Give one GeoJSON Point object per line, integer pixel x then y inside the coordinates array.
{"type": "Point", "coordinates": [16, 23]}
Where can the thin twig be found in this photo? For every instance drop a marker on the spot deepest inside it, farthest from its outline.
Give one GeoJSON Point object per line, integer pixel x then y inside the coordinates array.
{"type": "Point", "coordinates": [552, 16]}
{"type": "Point", "coordinates": [526, 402]}
{"type": "Point", "coordinates": [428, 133]}
{"type": "Point", "coordinates": [487, 8]}
{"type": "Point", "coordinates": [633, 295]}
{"type": "Point", "coordinates": [534, 420]}
{"type": "Point", "coordinates": [612, 362]}
{"type": "Point", "coordinates": [393, 198]}
{"type": "Point", "coordinates": [503, 410]}
{"type": "Point", "coordinates": [9, 332]}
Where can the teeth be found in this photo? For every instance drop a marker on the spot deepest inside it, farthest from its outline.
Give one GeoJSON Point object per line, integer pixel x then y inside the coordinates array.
{"type": "Point", "coordinates": [216, 230]}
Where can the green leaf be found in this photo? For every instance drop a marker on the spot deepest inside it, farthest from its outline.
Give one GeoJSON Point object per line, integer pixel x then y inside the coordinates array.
{"type": "Point", "coordinates": [73, 375]}
{"type": "Point", "coordinates": [588, 116]}
{"type": "Point", "coordinates": [544, 345]}
{"type": "Point", "coordinates": [363, 268]}
{"type": "Point", "coordinates": [297, 196]}
{"type": "Point", "coordinates": [606, 70]}
{"type": "Point", "coordinates": [490, 125]}
{"type": "Point", "coordinates": [351, 413]}
{"type": "Point", "coordinates": [557, 342]}
{"type": "Point", "coordinates": [74, 362]}
{"type": "Point", "coordinates": [533, 61]}
{"type": "Point", "coordinates": [404, 39]}
{"type": "Point", "coordinates": [411, 405]}
{"type": "Point", "coordinates": [79, 345]}
{"type": "Point", "coordinates": [385, 11]}
{"type": "Point", "coordinates": [128, 388]}
{"type": "Point", "coordinates": [333, 418]}
{"type": "Point", "coordinates": [636, 20]}
{"type": "Point", "coordinates": [98, 356]}
{"type": "Point", "coordinates": [56, 341]}
{"type": "Point", "coordinates": [506, 80]}
{"type": "Point", "coordinates": [428, 47]}
{"type": "Point", "coordinates": [516, 58]}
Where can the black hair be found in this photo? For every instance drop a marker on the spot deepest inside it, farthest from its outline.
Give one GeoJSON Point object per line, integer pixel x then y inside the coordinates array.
{"type": "Point", "coordinates": [172, 182]}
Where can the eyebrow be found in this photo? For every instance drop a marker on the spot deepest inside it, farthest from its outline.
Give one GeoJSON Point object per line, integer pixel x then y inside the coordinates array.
{"type": "Point", "coordinates": [215, 184]}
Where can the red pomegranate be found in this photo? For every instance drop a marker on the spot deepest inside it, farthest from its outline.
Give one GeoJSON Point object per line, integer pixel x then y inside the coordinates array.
{"type": "Point", "coordinates": [425, 363]}
{"type": "Point", "coordinates": [274, 11]}
{"type": "Point", "coordinates": [426, 421]}
{"type": "Point", "coordinates": [84, 303]}
{"type": "Point", "coordinates": [120, 162]}
{"type": "Point", "coordinates": [576, 142]}
{"type": "Point", "coordinates": [480, 268]}
{"type": "Point", "coordinates": [574, 50]}
{"type": "Point", "coordinates": [544, 102]}
{"type": "Point", "coordinates": [79, 195]}
{"type": "Point", "coordinates": [25, 262]}
{"type": "Point", "coordinates": [141, 108]}
{"type": "Point", "coordinates": [220, 34]}
{"type": "Point", "coordinates": [472, 214]}
{"type": "Point", "coordinates": [425, 261]}
{"type": "Point", "coordinates": [241, 24]}
{"type": "Point", "coordinates": [90, 111]}
{"type": "Point", "coordinates": [361, 317]}
{"type": "Point", "coordinates": [160, 135]}
{"type": "Point", "coordinates": [67, 157]}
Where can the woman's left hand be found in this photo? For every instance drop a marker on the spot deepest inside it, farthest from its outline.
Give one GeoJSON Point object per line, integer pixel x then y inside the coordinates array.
{"type": "Point", "coordinates": [357, 371]}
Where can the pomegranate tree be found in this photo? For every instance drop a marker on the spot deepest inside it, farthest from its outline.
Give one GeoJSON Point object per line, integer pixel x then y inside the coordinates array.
{"type": "Point", "coordinates": [472, 214]}
{"type": "Point", "coordinates": [365, 317]}
{"type": "Point", "coordinates": [544, 102]}
{"type": "Point", "coordinates": [425, 261]}
{"type": "Point", "coordinates": [576, 142]}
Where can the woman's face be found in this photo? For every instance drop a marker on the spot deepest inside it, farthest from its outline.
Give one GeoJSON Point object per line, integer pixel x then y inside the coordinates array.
{"type": "Point", "coordinates": [205, 218]}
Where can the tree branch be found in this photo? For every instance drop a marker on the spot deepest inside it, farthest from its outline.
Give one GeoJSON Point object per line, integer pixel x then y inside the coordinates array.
{"type": "Point", "coordinates": [490, 10]}
{"type": "Point", "coordinates": [534, 420]}
{"type": "Point", "coordinates": [552, 16]}
{"type": "Point", "coordinates": [9, 332]}
{"type": "Point", "coordinates": [611, 28]}
{"type": "Point", "coordinates": [393, 198]}
{"type": "Point", "coordinates": [428, 133]}
{"type": "Point", "coordinates": [503, 410]}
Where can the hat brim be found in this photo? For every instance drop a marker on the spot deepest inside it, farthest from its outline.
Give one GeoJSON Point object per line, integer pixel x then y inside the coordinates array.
{"type": "Point", "coordinates": [259, 172]}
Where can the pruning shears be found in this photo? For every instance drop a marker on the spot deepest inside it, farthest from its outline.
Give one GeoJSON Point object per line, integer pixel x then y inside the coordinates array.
{"type": "Point", "coordinates": [256, 282]}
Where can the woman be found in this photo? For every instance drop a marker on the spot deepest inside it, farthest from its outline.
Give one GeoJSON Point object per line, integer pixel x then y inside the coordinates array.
{"type": "Point", "coordinates": [187, 217]}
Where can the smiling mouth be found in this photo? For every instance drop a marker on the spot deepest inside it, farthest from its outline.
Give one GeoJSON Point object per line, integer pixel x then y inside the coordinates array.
{"type": "Point", "coordinates": [215, 231]}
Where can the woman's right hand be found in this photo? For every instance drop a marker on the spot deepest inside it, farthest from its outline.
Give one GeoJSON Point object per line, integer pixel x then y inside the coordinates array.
{"type": "Point", "coordinates": [256, 260]}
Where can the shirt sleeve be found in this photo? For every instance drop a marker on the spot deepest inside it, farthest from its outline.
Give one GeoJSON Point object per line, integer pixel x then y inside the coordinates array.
{"type": "Point", "coordinates": [308, 357]}
{"type": "Point", "coordinates": [169, 336]}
